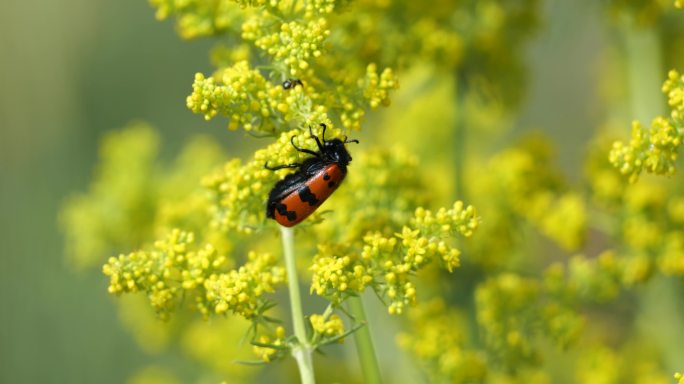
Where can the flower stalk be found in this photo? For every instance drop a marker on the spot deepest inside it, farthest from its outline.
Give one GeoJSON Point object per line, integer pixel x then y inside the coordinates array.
{"type": "Point", "coordinates": [364, 343]}
{"type": "Point", "coordinates": [460, 136]}
{"type": "Point", "coordinates": [302, 350]}
{"type": "Point", "coordinates": [644, 68]}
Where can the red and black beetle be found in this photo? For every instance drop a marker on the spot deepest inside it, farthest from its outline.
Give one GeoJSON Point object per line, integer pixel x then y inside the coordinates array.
{"type": "Point", "coordinates": [299, 194]}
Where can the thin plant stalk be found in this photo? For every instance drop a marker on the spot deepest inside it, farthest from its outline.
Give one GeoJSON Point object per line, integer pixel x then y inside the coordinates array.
{"type": "Point", "coordinates": [364, 343]}
{"type": "Point", "coordinates": [302, 350]}
{"type": "Point", "coordinates": [460, 137]}
{"type": "Point", "coordinates": [643, 51]}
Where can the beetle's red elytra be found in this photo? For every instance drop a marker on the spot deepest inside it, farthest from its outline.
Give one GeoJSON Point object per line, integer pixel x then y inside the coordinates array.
{"type": "Point", "coordinates": [299, 194]}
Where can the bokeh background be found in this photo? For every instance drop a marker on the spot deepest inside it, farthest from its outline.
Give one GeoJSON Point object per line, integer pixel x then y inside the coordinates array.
{"type": "Point", "coordinates": [71, 70]}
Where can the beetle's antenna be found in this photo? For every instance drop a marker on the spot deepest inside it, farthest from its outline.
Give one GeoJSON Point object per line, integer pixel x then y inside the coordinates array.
{"type": "Point", "coordinates": [350, 141]}
{"type": "Point", "coordinates": [323, 134]}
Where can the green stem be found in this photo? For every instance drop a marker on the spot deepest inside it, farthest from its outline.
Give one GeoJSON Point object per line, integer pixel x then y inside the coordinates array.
{"type": "Point", "coordinates": [364, 343]}
{"type": "Point", "coordinates": [460, 138]}
{"type": "Point", "coordinates": [302, 351]}
{"type": "Point", "coordinates": [645, 71]}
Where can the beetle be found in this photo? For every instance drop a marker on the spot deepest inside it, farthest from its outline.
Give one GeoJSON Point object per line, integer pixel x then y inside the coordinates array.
{"type": "Point", "coordinates": [291, 83]}
{"type": "Point", "coordinates": [299, 194]}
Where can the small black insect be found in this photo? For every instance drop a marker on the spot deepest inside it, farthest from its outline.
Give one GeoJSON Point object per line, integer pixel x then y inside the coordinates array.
{"type": "Point", "coordinates": [299, 194]}
{"type": "Point", "coordinates": [291, 83]}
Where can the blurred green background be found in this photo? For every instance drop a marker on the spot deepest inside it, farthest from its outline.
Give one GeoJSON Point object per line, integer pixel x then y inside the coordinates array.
{"type": "Point", "coordinates": [74, 69]}
{"type": "Point", "coordinates": [71, 70]}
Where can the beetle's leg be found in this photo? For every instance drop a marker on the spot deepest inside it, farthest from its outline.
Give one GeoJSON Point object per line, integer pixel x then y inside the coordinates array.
{"type": "Point", "coordinates": [310, 152]}
{"type": "Point", "coordinates": [277, 167]}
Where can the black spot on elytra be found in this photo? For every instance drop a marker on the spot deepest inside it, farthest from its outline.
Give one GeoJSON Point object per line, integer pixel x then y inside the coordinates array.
{"type": "Point", "coordinates": [282, 209]}
{"type": "Point", "coordinates": [308, 197]}
{"type": "Point", "coordinates": [326, 177]}
{"type": "Point", "coordinates": [331, 184]}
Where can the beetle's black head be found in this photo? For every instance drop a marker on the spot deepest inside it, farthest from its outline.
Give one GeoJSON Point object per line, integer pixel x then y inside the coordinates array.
{"type": "Point", "coordinates": [335, 151]}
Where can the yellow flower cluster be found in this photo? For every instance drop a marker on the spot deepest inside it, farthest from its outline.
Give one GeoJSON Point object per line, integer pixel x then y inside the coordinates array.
{"type": "Point", "coordinates": [654, 150]}
{"type": "Point", "coordinates": [294, 45]}
{"type": "Point", "coordinates": [337, 274]}
{"type": "Point", "coordinates": [673, 88]}
{"type": "Point", "coordinates": [395, 270]}
{"type": "Point", "coordinates": [110, 217]}
{"type": "Point", "coordinates": [174, 270]}
{"type": "Point", "coordinates": [600, 279]}
{"type": "Point", "coordinates": [652, 229]}
{"type": "Point", "coordinates": [649, 223]}
{"type": "Point", "coordinates": [197, 18]}
{"type": "Point", "coordinates": [377, 88]}
{"type": "Point", "coordinates": [319, 7]}
{"type": "Point", "coordinates": [388, 263]}
{"type": "Point", "coordinates": [563, 324]}
{"type": "Point", "coordinates": [294, 37]}
{"type": "Point", "coordinates": [563, 219]}
{"type": "Point", "coordinates": [606, 183]}
{"type": "Point", "coordinates": [267, 354]}
{"type": "Point", "coordinates": [134, 196]}
{"type": "Point", "coordinates": [635, 362]}
{"type": "Point", "coordinates": [598, 364]}
{"type": "Point", "coordinates": [670, 260]}
{"type": "Point", "coordinates": [241, 93]}
{"type": "Point", "coordinates": [438, 342]}
{"type": "Point", "coordinates": [439, 43]}
{"type": "Point", "coordinates": [507, 313]}
{"type": "Point", "coordinates": [459, 219]}
{"type": "Point", "coordinates": [352, 96]}
{"type": "Point", "coordinates": [587, 279]}
{"type": "Point", "coordinates": [524, 178]}
{"type": "Point", "coordinates": [240, 291]}
{"type": "Point", "coordinates": [166, 273]}
{"type": "Point", "coordinates": [327, 327]}
{"type": "Point", "coordinates": [400, 256]}
{"type": "Point", "coordinates": [679, 376]}
{"type": "Point", "coordinates": [449, 35]}
{"type": "Point", "coordinates": [679, 4]}
{"type": "Point", "coordinates": [514, 312]}
{"type": "Point", "coordinates": [643, 226]}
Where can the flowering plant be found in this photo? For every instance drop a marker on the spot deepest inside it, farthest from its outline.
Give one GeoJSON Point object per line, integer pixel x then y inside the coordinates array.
{"type": "Point", "coordinates": [477, 300]}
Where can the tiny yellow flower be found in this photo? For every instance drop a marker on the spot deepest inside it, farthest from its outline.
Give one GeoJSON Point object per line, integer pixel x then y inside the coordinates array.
{"type": "Point", "coordinates": [330, 327]}
{"type": "Point", "coordinates": [267, 354]}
